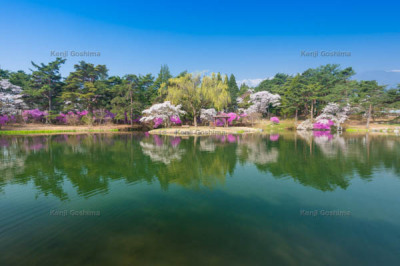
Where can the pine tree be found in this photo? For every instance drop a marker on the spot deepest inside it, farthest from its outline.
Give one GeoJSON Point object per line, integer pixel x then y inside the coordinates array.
{"type": "Point", "coordinates": [45, 84]}
{"type": "Point", "coordinates": [233, 91]}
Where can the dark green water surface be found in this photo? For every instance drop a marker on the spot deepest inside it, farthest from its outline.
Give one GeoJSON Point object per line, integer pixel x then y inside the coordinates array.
{"type": "Point", "coordinates": [135, 199]}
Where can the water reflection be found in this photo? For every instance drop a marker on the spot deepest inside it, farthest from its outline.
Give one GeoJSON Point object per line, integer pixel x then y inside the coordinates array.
{"type": "Point", "coordinates": [90, 162]}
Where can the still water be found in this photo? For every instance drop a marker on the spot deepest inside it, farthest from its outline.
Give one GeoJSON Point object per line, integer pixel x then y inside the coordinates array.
{"type": "Point", "coordinates": [308, 199]}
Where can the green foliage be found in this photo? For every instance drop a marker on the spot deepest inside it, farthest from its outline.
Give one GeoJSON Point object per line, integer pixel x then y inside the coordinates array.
{"type": "Point", "coordinates": [233, 91]}
{"type": "Point", "coordinates": [127, 97]}
{"type": "Point", "coordinates": [273, 85]}
{"type": "Point", "coordinates": [20, 78]}
{"type": "Point", "coordinates": [195, 93]}
{"type": "Point", "coordinates": [45, 84]}
{"type": "Point", "coordinates": [160, 86]}
{"type": "Point", "coordinates": [85, 87]}
{"type": "Point", "coordinates": [4, 74]}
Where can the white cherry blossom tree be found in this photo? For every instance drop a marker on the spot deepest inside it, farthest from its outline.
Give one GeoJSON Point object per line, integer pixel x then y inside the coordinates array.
{"type": "Point", "coordinates": [334, 112]}
{"type": "Point", "coordinates": [208, 114]}
{"type": "Point", "coordinates": [164, 111]}
{"type": "Point", "coordinates": [261, 101]}
{"type": "Point", "coordinates": [10, 98]}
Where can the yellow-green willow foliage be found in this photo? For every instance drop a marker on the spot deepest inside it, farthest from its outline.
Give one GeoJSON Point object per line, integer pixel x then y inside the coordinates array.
{"type": "Point", "coordinates": [194, 93]}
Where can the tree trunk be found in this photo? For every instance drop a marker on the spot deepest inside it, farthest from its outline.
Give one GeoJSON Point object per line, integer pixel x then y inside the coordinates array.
{"type": "Point", "coordinates": [48, 120]}
{"type": "Point", "coordinates": [295, 117]}
{"type": "Point", "coordinates": [130, 94]}
{"type": "Point", "coordinates": [194, 118]}
{"type": "Point", "coordinates": [369, 115]}
{"type": "Point", "coordinates": [312, 110]}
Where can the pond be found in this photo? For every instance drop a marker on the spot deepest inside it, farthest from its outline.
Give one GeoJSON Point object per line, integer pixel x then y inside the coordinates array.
{"type": "Point", "coordinates": [308, 198]}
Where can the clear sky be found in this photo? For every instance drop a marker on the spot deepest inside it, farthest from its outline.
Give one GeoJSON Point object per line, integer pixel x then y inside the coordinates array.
{"type": "Point", "coordinates": [252, 39]}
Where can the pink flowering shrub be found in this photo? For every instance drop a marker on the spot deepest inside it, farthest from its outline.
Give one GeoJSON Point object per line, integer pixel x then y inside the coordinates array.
{"type": "Point", "coordinates": [274, 120]}
{"type": "Point", "coordinates": [157, 122]}
{"type": "Point", "coordinates": [4, 120]}
{"type": "Point", "coordinates": [34, 115]}
{"type": "Point", "coordinates": [176, 120]}
{"type": "Point", "coordinates": [232, 117]}
{"type": "Point", "coordinates": [100, 116]}
{"type": "Point", "coordinates": [79, 117]}
{"type": "Point", "coordinates": [219, 123]}
{"type": "Point", "coordinates": [323, 124]}
{"type": "Point", "coordinates": [61, 118]}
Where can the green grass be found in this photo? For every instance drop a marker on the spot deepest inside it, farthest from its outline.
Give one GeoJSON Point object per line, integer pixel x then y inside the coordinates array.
{"type": "Point", "coordinates": [29, 132]}
{"type": "Point", "coordinates": [240, 132]}
{"type": "Point", "coordinates": [356, 130]}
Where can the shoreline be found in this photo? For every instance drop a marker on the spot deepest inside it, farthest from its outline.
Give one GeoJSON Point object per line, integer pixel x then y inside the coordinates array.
{"type": "Point", "coordinates": [261, 127]}
{"type": "Point", "coordinates": [32, 129]}
{"type": "Point", "coordinates": [204, 131]}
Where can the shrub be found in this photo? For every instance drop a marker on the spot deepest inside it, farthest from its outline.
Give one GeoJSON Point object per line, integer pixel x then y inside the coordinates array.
{"type": "Point", "coordinates": [323, 124]}
{"type": "Point", "coordinates": [34, 115]}
{"type": "Point", "coordinates": [274, 120]}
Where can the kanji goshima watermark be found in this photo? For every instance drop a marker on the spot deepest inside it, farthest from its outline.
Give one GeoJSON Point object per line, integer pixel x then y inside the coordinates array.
{"type": "Point", "coordinates": [74, 213]}
{"type": "Point", "coordinates": [325, 213]}
{"type": "Point", "coordinates": [67, 53]}
{"type": "Point", "coordinates": [317, 53]}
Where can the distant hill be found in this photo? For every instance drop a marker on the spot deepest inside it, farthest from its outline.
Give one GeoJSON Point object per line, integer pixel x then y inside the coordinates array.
{"type": "Point", "coordinates": [390, 78]}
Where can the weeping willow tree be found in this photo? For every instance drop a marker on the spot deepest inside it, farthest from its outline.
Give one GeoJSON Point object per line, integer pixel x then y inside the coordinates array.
{"type": "Point", "coordinates": [194, 93]}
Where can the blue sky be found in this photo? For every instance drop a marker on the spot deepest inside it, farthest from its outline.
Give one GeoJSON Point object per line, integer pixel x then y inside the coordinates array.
{"type": "Point", "coordinates": [252, 39]}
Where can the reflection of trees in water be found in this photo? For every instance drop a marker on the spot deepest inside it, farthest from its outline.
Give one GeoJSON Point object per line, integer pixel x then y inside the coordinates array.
{"type": "Point", "coordinates": [11, 162]}
{"type": "Point", "coordinates": [200, 166]}
{"type": "Point", "coordinates": [330, 144]}
{"type": "Point", "coordinates": [257, 149]}
{"type": "Point", "coordinates": [90, 162]}
{"type": "Point", "coordinates": [159, 152]}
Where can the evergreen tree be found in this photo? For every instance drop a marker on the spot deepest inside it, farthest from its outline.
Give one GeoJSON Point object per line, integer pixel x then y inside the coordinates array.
{"type": "Point", "coordinates": [85, 87]}
{"type": "Point", "coordinates": [370, 97]}
{"type": "Point", "coordinates": [233, 91]}
{"type": "Point", "coordinates": [20, 78]}
{"type": "Point", "coordinates": [159, 87]}
{"type": "Point", "coordinates": [45, 84]}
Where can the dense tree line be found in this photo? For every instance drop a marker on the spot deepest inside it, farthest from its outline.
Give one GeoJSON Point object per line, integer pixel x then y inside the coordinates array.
{"type": "Point", "coordinates": [309, 92]}
{"type": "Point", "coordinates": [89, 87]}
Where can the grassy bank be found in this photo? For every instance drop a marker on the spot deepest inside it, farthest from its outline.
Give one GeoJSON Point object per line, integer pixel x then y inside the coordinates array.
{"type": "Point", "coordinates": [29, 129]}
{"type": "Point", "coordinates": [30, 132]}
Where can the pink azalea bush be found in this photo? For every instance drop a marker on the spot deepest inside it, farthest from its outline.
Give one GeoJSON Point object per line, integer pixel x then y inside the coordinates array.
{"type": "Point", "coordinates": [219, 123]}
{"type": "Point", "coordinates": [176, 120]}
{"type": "Point", "coordinates": [232, 117]}
{"type": "Point", "coordinates": [323, 124]}
{"type": "Point", "coordinates": [157, 122]}
{"type": "Point", "coordinates": [274, 120]}
{"type": "Point", "coordinates": [34, 115]}
{"type": "Point", "coordinates": [61, 118]}
{"type": "Point", "coordinates": [74, 118]}
{"type": "Point", "coordinates": [4, 120]}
